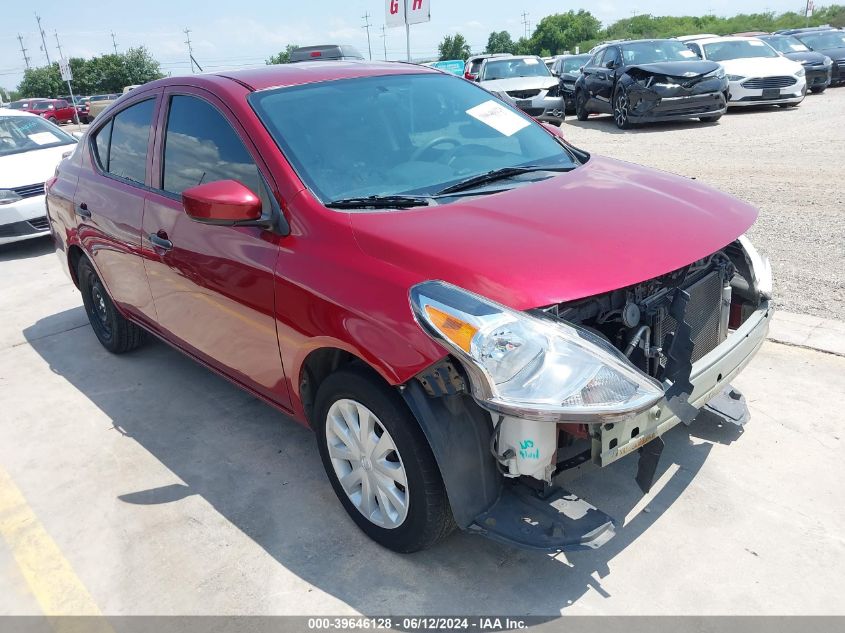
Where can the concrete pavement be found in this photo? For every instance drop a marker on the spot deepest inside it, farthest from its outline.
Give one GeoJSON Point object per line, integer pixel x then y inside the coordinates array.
{"type": "Point", "coordinates": [166, 490]}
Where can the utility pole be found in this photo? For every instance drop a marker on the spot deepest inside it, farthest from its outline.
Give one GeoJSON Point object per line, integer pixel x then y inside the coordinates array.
{"type": "Point", "coordinates": [113, 43]}
{"type": "Point", "coordinates": [43, 41]}
{"type": "Point", "coordinates": [23, 51]}
{"type": "Point", "coordinates": [187, 33]}
{"type": "Point", "coordinates": [58, 44]}
{"type": "Point", "coordinates": [366, 18]}
{"type": "Point", "coordinates": [384, 40]}
{"type": "Point", "coordinates": [525, 22]}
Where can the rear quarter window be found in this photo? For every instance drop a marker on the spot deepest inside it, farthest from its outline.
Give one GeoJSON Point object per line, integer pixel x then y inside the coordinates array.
{"type": "Point", "coordinates": [130, 138]}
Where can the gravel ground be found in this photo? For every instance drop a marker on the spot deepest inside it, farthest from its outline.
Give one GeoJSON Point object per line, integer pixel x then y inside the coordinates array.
{"type": "Point", "coordinates": [786, 162]}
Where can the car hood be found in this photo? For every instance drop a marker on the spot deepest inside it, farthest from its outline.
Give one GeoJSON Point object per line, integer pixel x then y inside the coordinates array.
{"type": "Point", "coordinates": [603, 226]}
{"type": "Point", "coordinates": [761, 66]}
{"type": "Point", "coordinates": [805, 57]}
{"type": "Point", "coordinates": [520, 83]}
{"type": "Point", "coordinates": [29, 168]}
{"type": "Point", "coordinates": [678, 69]}
{"type": "Point", "coordinates": [833, 53]}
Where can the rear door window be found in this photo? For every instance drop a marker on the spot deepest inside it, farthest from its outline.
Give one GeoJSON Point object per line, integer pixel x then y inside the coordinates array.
{"type": "Point", "coordinates": [200, 146]}
{"type": "Point", "coordinates": [130, 137]}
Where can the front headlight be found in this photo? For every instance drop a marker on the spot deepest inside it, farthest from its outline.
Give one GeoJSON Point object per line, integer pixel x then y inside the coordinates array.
{"type": "Point", "coordinates": [761, 268]}
{"type": "Point", "coordinates": [800, 72]}
{"type": "Point", "coordinates": [7, 196]}
{"type": "Point", "coordinates": [718, 73]}
{"type": "Point", "coordinates": [529, 366]}
{"type": "Point", "coordinates": [735, 77]}
{"type": "Point", "coordinates": [828, 61]}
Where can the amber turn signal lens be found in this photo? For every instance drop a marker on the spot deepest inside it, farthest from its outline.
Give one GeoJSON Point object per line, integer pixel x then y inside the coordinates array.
{"type": "Point", "coordinates": [457, 331]}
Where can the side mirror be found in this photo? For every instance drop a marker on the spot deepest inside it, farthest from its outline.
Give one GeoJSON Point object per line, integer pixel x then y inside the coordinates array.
{"type": "Point", "coordinates": [610, 65]}
{"type": "Point", "coordinates": [225, 202]}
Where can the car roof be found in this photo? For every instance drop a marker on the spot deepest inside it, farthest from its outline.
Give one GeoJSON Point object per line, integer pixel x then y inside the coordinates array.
{"type": "Point", "coordinates": [729, 38]}
{"type": "Point", "coordinates": [279, 75]}
{"type": "Point", "coordinates": [10, 112]}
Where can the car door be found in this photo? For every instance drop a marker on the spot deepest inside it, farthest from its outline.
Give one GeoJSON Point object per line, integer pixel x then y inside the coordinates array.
{"type": "Point", "coordinates": [594, 75]}
{"type": "Point", "coordinates": [213, 285]}
{"type": "Point", "coordinates": [109, 201]}
{"type": "Point", "coordinates": [606, 76]}
{"type": "Point", "coordinates": [64, 111]}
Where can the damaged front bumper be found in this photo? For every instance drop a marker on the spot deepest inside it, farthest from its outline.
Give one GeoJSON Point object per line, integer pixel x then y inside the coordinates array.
{"type": "Point", "coordinates": [709, 376]}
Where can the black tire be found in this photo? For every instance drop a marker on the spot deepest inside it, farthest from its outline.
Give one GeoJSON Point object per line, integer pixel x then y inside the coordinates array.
{"type": "Point", "coordinates": [429, 516]}
{"type": "Point", "coordinates": [113, 331]}
{"type": "Point", "coordinates": [818, 90]}
{"type": "Point", "coordinates": [581, 112]}
{"type": "Point", "coordinates": [710, 119]}
{"type": "Point", "coordinates": [621, 106]}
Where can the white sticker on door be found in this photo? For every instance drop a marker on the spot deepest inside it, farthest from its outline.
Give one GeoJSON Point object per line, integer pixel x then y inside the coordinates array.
{"type": "Point", "coordinates": [498, 117]}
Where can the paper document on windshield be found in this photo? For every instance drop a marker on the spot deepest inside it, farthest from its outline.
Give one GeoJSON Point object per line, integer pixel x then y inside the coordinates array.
{"type": "Point", "coordinates": [498, 117]}
{"type": "Point", "coordinates": [43, 138]}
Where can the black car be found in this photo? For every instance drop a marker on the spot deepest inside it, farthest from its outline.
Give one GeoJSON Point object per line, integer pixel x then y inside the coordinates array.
{"type": "Point", "coordinates": [830, 42]}
{"type": "Point", "coordinates": [650, 80]}
{"type": "Point", "coordinates": [568, 68]}
{"type": "Point", "coordinates": [817, 66]}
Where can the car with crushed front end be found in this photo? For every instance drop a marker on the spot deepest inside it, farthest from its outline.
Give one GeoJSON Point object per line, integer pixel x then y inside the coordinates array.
{"type": "Point", "coordinates": [818, 67]}
{"type": "Point", "coordinates": [757, 73]}
{"type": "Point", "coordinates": [567, 68]}
{"type": "Point", "coordinates": [644, 81]}
{"type": "Point", "coordinates": [463, 306]}
{"type": "Point", "coordinates": [528, 82]}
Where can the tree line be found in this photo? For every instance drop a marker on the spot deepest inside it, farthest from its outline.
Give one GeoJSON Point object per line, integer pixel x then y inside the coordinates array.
{"type": "Point", "coordinates": [98, 75]}
{"type": "Point", "coordinates": [564, 32]}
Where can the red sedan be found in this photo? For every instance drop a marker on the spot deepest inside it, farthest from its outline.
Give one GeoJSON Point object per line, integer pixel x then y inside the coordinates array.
{"type": "Point", "coordinates": [56, 110]}
{"type": "Point", "coordinates": [464, 307]}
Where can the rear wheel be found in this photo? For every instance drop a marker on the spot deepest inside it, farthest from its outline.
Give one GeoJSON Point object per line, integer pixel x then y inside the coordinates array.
{"type": "Point", "coordinates": [581, 112]}
{"type": "Point", "coordinates": [710, 119]}
{"type": "Point", "coordinates": [114, 332]}
{"type": "Point", "coordinates": [379, 462]}
{"type": "Point", "coordinates": [621, 109]}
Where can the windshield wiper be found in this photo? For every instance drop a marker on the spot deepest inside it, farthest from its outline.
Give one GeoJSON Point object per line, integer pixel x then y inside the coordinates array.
{"type": "Point", "coordinates": [380, 202]}
{"type": "Point", "coordinates": [497, 174]}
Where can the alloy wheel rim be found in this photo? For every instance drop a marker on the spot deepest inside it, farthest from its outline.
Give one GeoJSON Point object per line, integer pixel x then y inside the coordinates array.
{"type": "Point", "coordinates": [367, 463]}
{"type": "Point", "coordinates": [620, 112]}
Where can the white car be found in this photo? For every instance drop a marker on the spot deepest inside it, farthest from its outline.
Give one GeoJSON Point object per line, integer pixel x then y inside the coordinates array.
{"type": "Point", "coordinates": [30, 149]}
{"type": "Point", "coordinates": [757, 73]}
{"type": "Point", "coordinates": [527, 81]}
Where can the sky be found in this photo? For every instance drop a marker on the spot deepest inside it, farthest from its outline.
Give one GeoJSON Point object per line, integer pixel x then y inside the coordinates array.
{"type": "Point", "coordinates": [226, 35]}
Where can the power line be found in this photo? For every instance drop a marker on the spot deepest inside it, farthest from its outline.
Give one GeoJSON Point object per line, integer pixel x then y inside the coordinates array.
{"type": "Point", "coordinates": [113, 43]}
{"type": "Point", "coordinates": [366, 18]}
{"type": "Point", "coordinates": [43, 41]}
{"type": "Point", "coordinates": [23, 51]}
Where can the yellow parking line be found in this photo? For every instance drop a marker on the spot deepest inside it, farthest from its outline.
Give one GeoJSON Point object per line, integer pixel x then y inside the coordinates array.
{"type": "Point", "coordinates": [51, 579]}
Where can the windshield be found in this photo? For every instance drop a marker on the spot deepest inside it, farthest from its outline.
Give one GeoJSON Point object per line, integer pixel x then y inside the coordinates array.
{"type": "Point", "coordinates": [516, 67]}
{"type": "Point", "coordinates": [826, 39]}
{"type": "Point", "coordinates": [404, 134]}
{"type": "Point", "coordinates": [23, 133]}
{"type": "Point", "coordinates": [655, 52]}
{"type": "Point", "coordinates": [738, 49]}
{"type": "Point", "coordinates": [785, 44]}
{"type": "Point", "coordinates": [573, 64]}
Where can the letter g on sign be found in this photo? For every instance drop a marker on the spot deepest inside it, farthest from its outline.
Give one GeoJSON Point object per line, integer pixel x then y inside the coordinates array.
{"type": "Point", "coordinates": [394, 7]}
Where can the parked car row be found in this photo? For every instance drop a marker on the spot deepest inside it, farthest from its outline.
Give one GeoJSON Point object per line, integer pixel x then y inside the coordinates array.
{"type": "Point", "coordinates": [699, 76]}
{"type": "Point", "coordinates": [57, 111]}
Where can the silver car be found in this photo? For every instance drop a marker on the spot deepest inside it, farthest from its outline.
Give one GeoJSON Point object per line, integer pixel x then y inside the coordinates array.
{"type": "Point", "coordinates": [528, 82]}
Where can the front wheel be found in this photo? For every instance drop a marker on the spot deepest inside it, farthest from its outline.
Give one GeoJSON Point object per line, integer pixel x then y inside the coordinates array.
{"type": "Point", "coordinates": [581, 112]}
{"type": "Point", "coordinates": [379, 462]}
{"type": "Point", "coordinates": [621, 110]}
{"type": "Point", "coordinates": [114, 332]}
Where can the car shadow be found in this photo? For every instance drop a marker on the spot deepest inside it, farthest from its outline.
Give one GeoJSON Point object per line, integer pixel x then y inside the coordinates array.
{"type": "Point", "coordinates": [27, 248]}
{"type": "Point", "coordinates": [604, 123]}
{"type": "Point", "coordinates": [261, 471]}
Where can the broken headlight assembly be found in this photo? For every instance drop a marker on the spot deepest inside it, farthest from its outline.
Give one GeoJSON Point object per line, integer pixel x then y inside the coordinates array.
{"type": "Point", "coordinates": [531, 367]}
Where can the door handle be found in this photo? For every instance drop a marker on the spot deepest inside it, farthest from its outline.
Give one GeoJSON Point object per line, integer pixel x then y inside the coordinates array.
{"type": "Point", "coordinates": [160, 242]}
{"type": "Point", "coordinates": [82, 210]}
